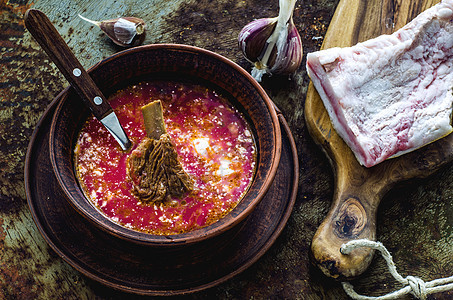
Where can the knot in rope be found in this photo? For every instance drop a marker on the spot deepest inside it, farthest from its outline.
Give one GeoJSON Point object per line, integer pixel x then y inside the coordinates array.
{"type": "Point", "coordinates": [418, 287]}
{"type": "Point", "coordinates": [413, 285]}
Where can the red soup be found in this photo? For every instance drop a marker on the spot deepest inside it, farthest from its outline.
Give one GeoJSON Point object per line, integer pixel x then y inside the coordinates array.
{"type": "Point", "coordinates": [215, 146]}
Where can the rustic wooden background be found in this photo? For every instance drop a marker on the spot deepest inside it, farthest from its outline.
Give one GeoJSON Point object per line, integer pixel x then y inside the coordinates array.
{"type": "Point", "coordinates": [415, 219]}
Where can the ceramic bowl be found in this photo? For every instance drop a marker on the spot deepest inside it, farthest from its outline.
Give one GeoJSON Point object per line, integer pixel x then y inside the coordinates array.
{"type": "Point", "coordinates": [179, 61]}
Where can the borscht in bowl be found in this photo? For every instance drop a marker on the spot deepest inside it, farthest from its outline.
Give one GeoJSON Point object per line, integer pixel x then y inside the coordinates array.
{"type": "Point", "coordinates": [214, 145]}
{"type": "Point", "coordinates": [212, 160]}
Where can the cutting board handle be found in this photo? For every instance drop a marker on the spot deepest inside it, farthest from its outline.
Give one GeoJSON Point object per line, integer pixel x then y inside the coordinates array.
{"type": "Point", "coordinates": [352, 216]}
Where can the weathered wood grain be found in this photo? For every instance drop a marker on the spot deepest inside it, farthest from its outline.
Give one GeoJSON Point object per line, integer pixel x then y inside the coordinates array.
{"type": "Point", "coordinates": [415, 221]}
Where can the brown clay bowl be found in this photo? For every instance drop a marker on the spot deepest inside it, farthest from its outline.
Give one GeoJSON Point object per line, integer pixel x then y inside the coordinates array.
{"type": "Point", "coordinates": [163, 61]}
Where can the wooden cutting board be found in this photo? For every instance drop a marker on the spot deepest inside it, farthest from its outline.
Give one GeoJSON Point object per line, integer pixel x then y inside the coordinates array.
{"type": "Point", "coordinates": [358, 190]}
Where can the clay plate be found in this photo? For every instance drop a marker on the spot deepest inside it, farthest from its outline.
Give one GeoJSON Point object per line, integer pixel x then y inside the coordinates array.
{"type": "Point", "coordinates": [141, 269]}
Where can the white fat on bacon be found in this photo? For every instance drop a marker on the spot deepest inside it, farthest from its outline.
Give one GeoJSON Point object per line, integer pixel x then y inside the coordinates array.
{"type": "Point", "coordinates": [392, 94]}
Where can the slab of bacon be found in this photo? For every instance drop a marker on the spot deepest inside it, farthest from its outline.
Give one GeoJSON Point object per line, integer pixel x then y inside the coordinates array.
{"type": "Point", "coordinates": [392, 94]}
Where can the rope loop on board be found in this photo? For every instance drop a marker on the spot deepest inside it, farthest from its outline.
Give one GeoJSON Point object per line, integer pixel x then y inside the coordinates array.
{"type": "Point", "coordinates": [413, 285]}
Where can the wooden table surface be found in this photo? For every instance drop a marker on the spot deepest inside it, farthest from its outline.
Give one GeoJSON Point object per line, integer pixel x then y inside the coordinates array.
{"type": "Point", "coordinates": [415, 219]}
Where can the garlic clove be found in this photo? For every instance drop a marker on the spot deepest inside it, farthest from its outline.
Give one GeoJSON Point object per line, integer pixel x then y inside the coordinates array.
{"type": "Point", "coordinates": [281, 52]}
{"type": "Point", "coordinates": [253, 37]}
{"type": "Point", "coordinates": [289, 54]}
{"type": "Point", "coordinates": [124, 31]}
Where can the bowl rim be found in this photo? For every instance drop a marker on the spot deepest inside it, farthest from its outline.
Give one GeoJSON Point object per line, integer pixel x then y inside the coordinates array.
{"type": "Point", "coordinates": [190, 237]}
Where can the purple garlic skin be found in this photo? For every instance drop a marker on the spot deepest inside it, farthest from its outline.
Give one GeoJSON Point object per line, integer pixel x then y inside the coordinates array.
{"type": "Point", "coordinates": [252, 38]}
{"type": "Point", "coordinates": [286, 52]}
{"type": "Point", "coordinates": [272, 45]}
{"type": "Point", "coordinates": [289, 55]}
{"type": "Point", "coordinates": [125, 31]}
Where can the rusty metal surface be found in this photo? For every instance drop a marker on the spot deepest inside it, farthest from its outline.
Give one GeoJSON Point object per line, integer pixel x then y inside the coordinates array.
{"type": "Point", "coordinates": [415, 221]}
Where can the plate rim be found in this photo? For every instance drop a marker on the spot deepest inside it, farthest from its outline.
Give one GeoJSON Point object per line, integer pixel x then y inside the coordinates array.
{"type": "Point", "coordinates": [77, 265]}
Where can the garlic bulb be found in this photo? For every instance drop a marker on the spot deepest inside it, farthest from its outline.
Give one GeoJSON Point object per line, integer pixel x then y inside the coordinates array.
{"type": "Point", "coordinates": [272, 45]}
{"type": "Point", "coordinates": [125, 31]}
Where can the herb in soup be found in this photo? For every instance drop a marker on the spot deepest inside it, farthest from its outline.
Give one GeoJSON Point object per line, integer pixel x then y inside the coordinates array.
{"type": "Point", "coordinates": [214, 146]}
